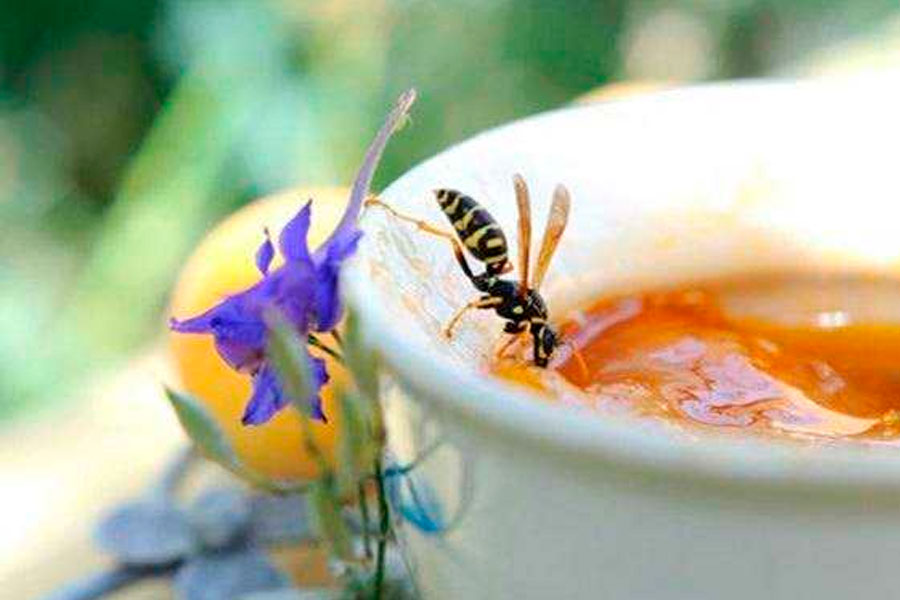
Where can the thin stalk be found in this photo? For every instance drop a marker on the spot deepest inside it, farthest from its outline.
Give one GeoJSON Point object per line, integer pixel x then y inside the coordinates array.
{"type": "Point", "coordinates": [310, 445]}
{"type": "Point", "coordinates": [383, 529]}
{"type": "Point", "coordinates": [379, 437]}
{"type": "Point", "coordinates": [337, 338]}
{"type": "Point", "coordinates": [364, 510]}
{"type": "Point", "coordinates": [314, 341]}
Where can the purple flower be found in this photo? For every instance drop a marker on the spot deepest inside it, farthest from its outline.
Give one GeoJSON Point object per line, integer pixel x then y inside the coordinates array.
{"type": "Point", "coordinates": [304, 289]}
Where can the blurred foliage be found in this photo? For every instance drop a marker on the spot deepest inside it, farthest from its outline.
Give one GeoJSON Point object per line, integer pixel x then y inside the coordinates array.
{"type": "Point", "coordinates": [128, 128]}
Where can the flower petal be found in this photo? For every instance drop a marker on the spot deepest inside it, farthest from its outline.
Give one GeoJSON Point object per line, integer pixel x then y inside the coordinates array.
{"type": "Point", "coordinates": [268, 396]}
{"type": "Point", "coordinates": [328, 306]}
{"type": "Point", "coordinates": [237, 326]}
{"type": "Point", "coordinates": [344, 245]}
{"type": "Point", "coordinates": [240, 357]}
{"type": "Point", "coordinates": [364, 176]}
{"type": "Point", "coordinates": [292, 289]}
{"type": "Point", "coordinates": [265, 254]}
{"type": "Point", "coordinates": [198, 324]}
{"type": "Point", "coordinates": [292, 240]}
{"type": "Point", "coordinates": [328, 302]}
{"type": "Point", "coordinates": [266, 400]}
{"type": "Point", "coordinates": [320, 378]}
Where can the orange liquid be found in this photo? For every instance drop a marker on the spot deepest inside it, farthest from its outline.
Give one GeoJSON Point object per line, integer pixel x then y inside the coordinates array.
{"type": "Point", "coordinates": [677, 356]}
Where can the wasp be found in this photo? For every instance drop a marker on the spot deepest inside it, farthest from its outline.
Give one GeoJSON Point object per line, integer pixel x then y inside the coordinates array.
{"type": "Point", "coordinates": [518, 302]}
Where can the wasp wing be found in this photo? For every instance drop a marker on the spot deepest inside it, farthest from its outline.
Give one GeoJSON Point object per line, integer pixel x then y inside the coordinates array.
{"type": "Point", "coordinates": [524, 204]}
{"type": "Point", "coordinates": [556, 225]}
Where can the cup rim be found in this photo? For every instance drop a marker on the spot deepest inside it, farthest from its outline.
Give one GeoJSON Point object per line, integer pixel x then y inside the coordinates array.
{"type": "Point", "coordinates": [513, 411]}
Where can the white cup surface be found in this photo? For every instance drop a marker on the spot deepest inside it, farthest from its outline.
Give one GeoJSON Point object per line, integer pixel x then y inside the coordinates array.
{"type": "Point", "coordinates": [517, 498]}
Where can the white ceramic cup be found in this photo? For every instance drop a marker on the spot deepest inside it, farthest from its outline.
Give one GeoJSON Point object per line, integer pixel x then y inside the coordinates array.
{"type": "Point", "coordinates": [532, 500]}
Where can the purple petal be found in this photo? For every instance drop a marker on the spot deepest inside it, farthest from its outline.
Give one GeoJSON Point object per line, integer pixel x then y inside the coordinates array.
{"type": "Point", "coordinates": [292, 240]}
{"type": "Point", "coordinates": [268, 396]}
{"type": "Point", "coordinates": [292, 289]}
{"type": "Point", "coordinates": [328, 303]}
{"type": "Point", "coordinates": [239, 356]}
{"type": "Point", "coordinates": [320, 378]}
{"type": "Point", "coordinates": [265, 254]}
{"type": "Point", "coordinates": [367, 170]}
{"type": "Point", "coordinates": [198, 324]}
{"type": "Point", "coordinates": [343, 246]}
{"type": "Point", "coordinates": [266, 400]}
{"type": "Point", "coordinates": [235, 308]}
{"type": "Point", "coordinates": [328, 306]}
{"type": "Point", "coordinates": [237, 326]}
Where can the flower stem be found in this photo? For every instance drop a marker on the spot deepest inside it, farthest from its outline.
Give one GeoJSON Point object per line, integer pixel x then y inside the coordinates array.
{"type": "Point", "coordinates": [383, 529]}
{"type": "Point", "coordinates": [364, 510]}
{"type": "Point", "coordinates": [309, 443]}
{"type": "Point", "coordinates": [337, 338]}
{"type": "Point", "coordinates": [316, 342]}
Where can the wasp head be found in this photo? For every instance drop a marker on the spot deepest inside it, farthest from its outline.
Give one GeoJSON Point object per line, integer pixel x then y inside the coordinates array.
{"type": "Point", "coordinates": [545, 342]}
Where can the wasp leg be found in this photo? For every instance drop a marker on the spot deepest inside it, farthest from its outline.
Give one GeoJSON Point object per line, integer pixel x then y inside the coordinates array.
{"type": "Point", "coordinates": [488, 302]}
{"type": "Point", "coordinates": [574, 353]}
{"type": "Point", "coordinates": [516, 335]}
{"type": "Point", "coordinates": [427, 228]}
{"type": "Point", "coordinates": [515, 327]}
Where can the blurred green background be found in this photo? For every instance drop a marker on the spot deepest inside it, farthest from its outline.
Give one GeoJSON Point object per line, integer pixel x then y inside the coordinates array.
{"type": "Point", "coordinates": [128, 128]}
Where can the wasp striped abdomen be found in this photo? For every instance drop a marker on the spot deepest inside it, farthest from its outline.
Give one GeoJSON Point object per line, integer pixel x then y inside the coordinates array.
{"type": "Point", "coordinates": [476, 228]}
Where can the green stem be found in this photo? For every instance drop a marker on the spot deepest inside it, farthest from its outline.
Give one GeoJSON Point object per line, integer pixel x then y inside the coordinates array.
{"type": "Point", "coordinates": [314, 341]}
{"type": "Point", "coordinates": [384, 529]}
{"type": "Point", "coordinates": [364, 510]}
{"type": "Point", "coordinates": [310, 445]}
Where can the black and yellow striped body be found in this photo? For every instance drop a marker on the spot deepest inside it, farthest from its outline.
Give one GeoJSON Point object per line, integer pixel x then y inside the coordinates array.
{"type": "Point", "coordinates": [484, 239]}
{"type": "Point", "coordinates": [476, 228]}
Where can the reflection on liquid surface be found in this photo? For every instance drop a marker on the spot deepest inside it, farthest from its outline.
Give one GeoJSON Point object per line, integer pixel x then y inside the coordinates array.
{"type": "Point", "coordinates": [798, 360]}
